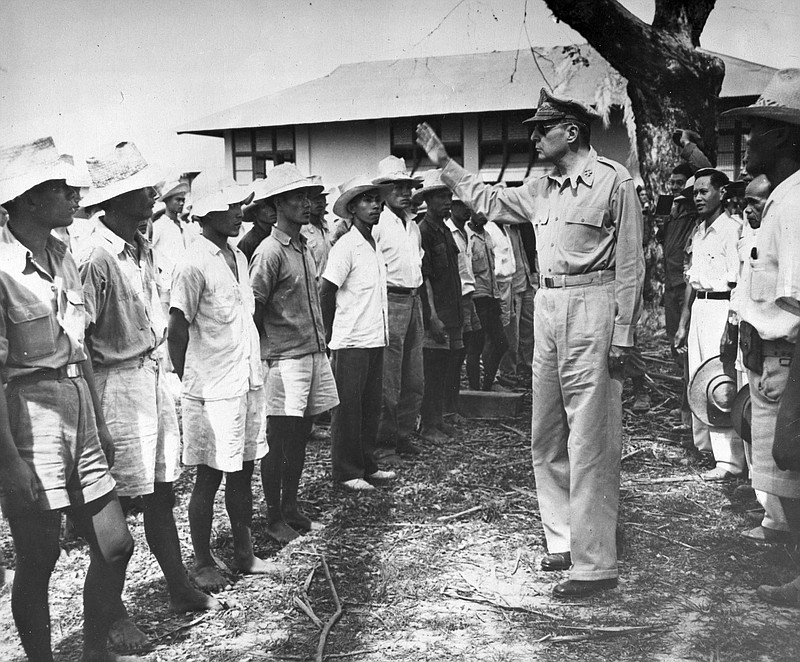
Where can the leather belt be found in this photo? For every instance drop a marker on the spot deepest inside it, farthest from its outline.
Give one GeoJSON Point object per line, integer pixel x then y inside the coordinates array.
{"type": "Point", "coordinates": [592, 278]}
{"type": "Point", "coordinates": [69, 371]}
{"type": "Point", "coordinates": [409, 291]}
{"type": "Point", "coordinates": [713, 295]}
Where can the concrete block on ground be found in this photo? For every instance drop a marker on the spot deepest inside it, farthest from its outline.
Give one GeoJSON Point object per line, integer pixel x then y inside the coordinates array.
{"type": "Point", "coordinates": [489, 404]}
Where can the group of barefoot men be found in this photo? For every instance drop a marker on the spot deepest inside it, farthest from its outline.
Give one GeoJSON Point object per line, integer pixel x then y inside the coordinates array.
{"type": "Point", "coordinates": [87, 422]}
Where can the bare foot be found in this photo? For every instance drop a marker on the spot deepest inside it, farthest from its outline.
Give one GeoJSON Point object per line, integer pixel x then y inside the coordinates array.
{"type": "Point", "coordinates": [256, 566]}
{"type": "Point", "coordinates": [281, 532]}
{"type": "Point", "coordinates": [193, 600]}
{"type": "Point", "coordinates": [296, 519]}
{"type": "Point", "coordinates": [125, 637]}
{"type": "Point", "coordinates": [208, 578]}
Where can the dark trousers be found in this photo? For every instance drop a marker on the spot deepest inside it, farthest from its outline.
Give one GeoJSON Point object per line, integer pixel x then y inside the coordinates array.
{"type": "Point", "coordinates": [354, 425]}
{"type": "Point", "coordinates": [494, 340]}
{"type": "Point", "coordinates": [436, 363]}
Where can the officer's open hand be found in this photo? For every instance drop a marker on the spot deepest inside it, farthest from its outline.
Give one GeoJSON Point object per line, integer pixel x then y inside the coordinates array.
{"type": "Point", "coordinates": [617, 359]}
{"type": "Point", "coordinates": [433, 146]}
{"type": "Point", "coordinates": [18, 482]}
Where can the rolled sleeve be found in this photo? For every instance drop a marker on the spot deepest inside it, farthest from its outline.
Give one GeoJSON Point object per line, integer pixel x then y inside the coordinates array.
{"type": "Point", "coordinates": [629, 262]}
{"type": "Point", "coordinates": [95, 285]}
{"type": "Point", "coordinates": [186, 289]}
{"type": "Point", "coordinates": [339, 264]}
{"type": "Point", "coordinates": [497, 203]}
{"type": "Point", "coordinates": [264, 269]}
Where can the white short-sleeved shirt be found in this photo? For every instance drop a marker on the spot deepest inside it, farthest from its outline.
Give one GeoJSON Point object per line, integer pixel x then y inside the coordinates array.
{"type": "Point", "coordinates": [771, 300]}
{"type": "Point", "coordinates": [714, 256]}
{"type": "Point", "coordinates": [464, 258]}
{"type": "Point", "coordinates": [504, 263]}
{"type": "Point", "coordinates": [223, 357]}
{"type": "Point", "coordinates": [402, 249]}
{"type": "Point", "coordinates": [358, 270]}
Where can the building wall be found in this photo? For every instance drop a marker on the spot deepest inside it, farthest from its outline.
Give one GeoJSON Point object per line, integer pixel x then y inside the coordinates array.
{"type": "Point", "coordinates": [338, 152]}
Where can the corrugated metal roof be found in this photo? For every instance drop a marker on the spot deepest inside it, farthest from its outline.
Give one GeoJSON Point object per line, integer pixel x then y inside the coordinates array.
{"type": "Point", "coordinates": [443, 85]}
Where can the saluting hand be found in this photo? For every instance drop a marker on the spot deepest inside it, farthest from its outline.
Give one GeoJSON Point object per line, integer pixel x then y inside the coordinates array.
{"type": "Point", "coordinates": [430, 142]}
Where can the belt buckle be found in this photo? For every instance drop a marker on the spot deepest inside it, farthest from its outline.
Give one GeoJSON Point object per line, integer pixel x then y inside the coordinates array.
{"type": "Point", "coordinates": [73, 370]}
{"type": "Point", "coordinates": [564, 280]}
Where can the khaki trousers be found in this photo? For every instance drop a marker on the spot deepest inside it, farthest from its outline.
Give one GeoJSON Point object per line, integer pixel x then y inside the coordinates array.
{"type": "Point", "coordinates": [577, 426]}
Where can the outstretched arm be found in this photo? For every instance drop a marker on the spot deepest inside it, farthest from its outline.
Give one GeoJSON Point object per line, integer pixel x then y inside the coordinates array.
{"type": "Point", "coordinates": [497, 203]}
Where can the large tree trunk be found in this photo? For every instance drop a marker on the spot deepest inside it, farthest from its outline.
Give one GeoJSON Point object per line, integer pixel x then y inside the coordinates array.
{"type": "Point", "coordinates": [670, 83]}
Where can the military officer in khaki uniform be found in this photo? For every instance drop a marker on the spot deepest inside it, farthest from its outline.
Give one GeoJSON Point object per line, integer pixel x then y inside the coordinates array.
{"type": "Point", "coordinates": [588, 224]}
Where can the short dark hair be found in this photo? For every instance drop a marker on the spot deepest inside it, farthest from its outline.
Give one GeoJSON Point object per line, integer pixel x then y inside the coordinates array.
{"type": "Point", "coordinates": [716, 178]}
{"type": "Point", "coordinates": [683, 169]}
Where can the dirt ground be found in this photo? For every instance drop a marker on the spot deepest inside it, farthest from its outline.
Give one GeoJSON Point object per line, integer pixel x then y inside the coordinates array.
{"type": "Point", "coordinates": [415, 585]}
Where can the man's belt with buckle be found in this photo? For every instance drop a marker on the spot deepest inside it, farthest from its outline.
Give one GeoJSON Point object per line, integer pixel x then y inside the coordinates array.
{"type": "Point", "coordinates": [564, 280]}
{"type": "Point", "coordinates": [409, 291]}
{"type": "Point", "coordinates": [69, 371]}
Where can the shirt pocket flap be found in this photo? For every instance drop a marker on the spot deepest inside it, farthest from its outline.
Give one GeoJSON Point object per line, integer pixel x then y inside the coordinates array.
{"type": "Point", "coordinates": [75, 297]}
{"type": "Point", "coordinates": [28, 313]}
{"type": "Point", "coordinates": [541, 218]}
{"type": "Point", "coordinates": [591, 216]}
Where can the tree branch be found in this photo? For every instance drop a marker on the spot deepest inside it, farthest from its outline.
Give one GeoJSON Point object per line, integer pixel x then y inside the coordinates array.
{"type": "Point", "coordinates": [683, 17]}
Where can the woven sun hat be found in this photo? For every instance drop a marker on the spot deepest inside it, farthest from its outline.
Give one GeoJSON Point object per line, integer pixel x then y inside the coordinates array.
{"type": "Point", "coordinates": [552, 109]}
{"type": "Point", "coordinates": [711, 394]}
{"type": "Point", "coordinates": [687, 193]}
{"type": "Point", "coordinates": [431, 181]}
{"type": "Point", "coordinates": [742, 414]}
{"type": "Point", "coordinates": [121, 171]}
{"type": "Point", "coordinates": [316, 180]}
{"type": "Point", "coordinates": [284, 178]}
{"type": "Point", "coordinates": [217, 192]}
{"type": "Point", "coordinates": [779, 101]}
{"type": "Point", "coordinates": [352, 189]}
{"type": "Point", "coordinates": [393, 169]}
{"type": "Point", "coordinates": [173, 187]}
{"type": "Point", "coordinates": [26, 165]}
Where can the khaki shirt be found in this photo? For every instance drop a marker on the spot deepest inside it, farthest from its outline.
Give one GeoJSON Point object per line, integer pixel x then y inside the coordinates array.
{"type": "Point", "coordinates": [42, 316]}
{"type": "Point", "coordinates": [591, 222]}
{"type": "Point", "coordinates": [124, 315]}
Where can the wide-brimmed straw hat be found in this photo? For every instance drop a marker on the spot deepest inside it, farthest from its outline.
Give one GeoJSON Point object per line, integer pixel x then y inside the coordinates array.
{"type": "Point", "coordinates": [121, 171]}
{"type": "Point", "coordinates": [173, 187]}
{"type": "Point", "coordinates": [393, 169]}
{"type": "Point", "coordinates": [742, 414]}
{"type": "Point", "coordinates": [26, 165]}
{"type": "Point", "coordinates": [215, 192]}
{"type": "Point", "coordinates": [431, 181]}
{"type": "Point", "coordinates": [711, 394]}
{"type": "Point", "coordinates": [351, 190]}
{"type": "Point", "coordinates": [284, 178]}
{"type": "Point", "coordinates": [779, 101]}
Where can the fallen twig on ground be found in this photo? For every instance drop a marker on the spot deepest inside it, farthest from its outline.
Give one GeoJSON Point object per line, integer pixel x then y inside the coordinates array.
{"type": "Point", "coordinates": [303, 603]}
{"type": "Point", "coordinates": [463, 513]}
{"type": "Point", "coordinates": [669, 479]}
{"type": "Point", "coordinates": [598, 633]}
{"type": "Point", "coordinates": [185, 626]}
{"type": "Point", "coordinates": [512, 429]}
{"type": "Point", "coordinates": [453, 593]}
{"type": "Point", "coordinates": [632, 453]}
{"type": "Point", "coordinates": [323, 637]}
{"type": "Point", "coordinates": [667, 538]}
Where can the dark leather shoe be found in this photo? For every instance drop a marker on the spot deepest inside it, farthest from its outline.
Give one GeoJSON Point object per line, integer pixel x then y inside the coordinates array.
{"type": "Point", "coordinates": [407, 447]}
{"type": "Point", "coordinates": [573, 588]}
{"type": "Point", "coordinates": [783, 596]}
{"type": "Point", "coordinates": [557, 561]}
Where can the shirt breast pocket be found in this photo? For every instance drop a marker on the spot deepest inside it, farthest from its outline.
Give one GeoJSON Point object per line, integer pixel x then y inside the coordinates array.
{"type": "Point", "coordinates": [439, 258]}
{"type": "Point", "coordinates": [583, 230]}
{"type": "Point", "coordinates": [479, 261]}
{"type": "Point", "coordinates": [31, 332]}
{"type": "Point", "coordinates": [226, 301]}
{"type": "Point", "coordinates": [762, 283]}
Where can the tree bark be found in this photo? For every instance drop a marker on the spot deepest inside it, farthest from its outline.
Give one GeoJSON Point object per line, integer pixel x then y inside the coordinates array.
{"type": "Point", "coordinates": [670, 83]}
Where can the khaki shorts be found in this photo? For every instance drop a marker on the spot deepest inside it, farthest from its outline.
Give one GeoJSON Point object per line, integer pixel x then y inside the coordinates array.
{"type": "Point", "coordinates": [55, 432]}
{"type": "Point", "coordinates": [223, 434]}
{"type": "Point", "coordinates": [141, 417]}
{"type": "Point", "coordinates": [302, 386]}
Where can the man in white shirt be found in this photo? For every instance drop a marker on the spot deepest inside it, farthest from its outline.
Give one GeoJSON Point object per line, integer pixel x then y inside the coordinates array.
{"type": "Point", "coordinates": [214, 346]}
{"type": "Point", "coordinates": [770, 305]}
{"type": "Point", "coordinates": [711, 275]}
{"type": "Point", "coordinates": [354, 309]}
{"type": "Point", "coordinates": [401, 245]}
